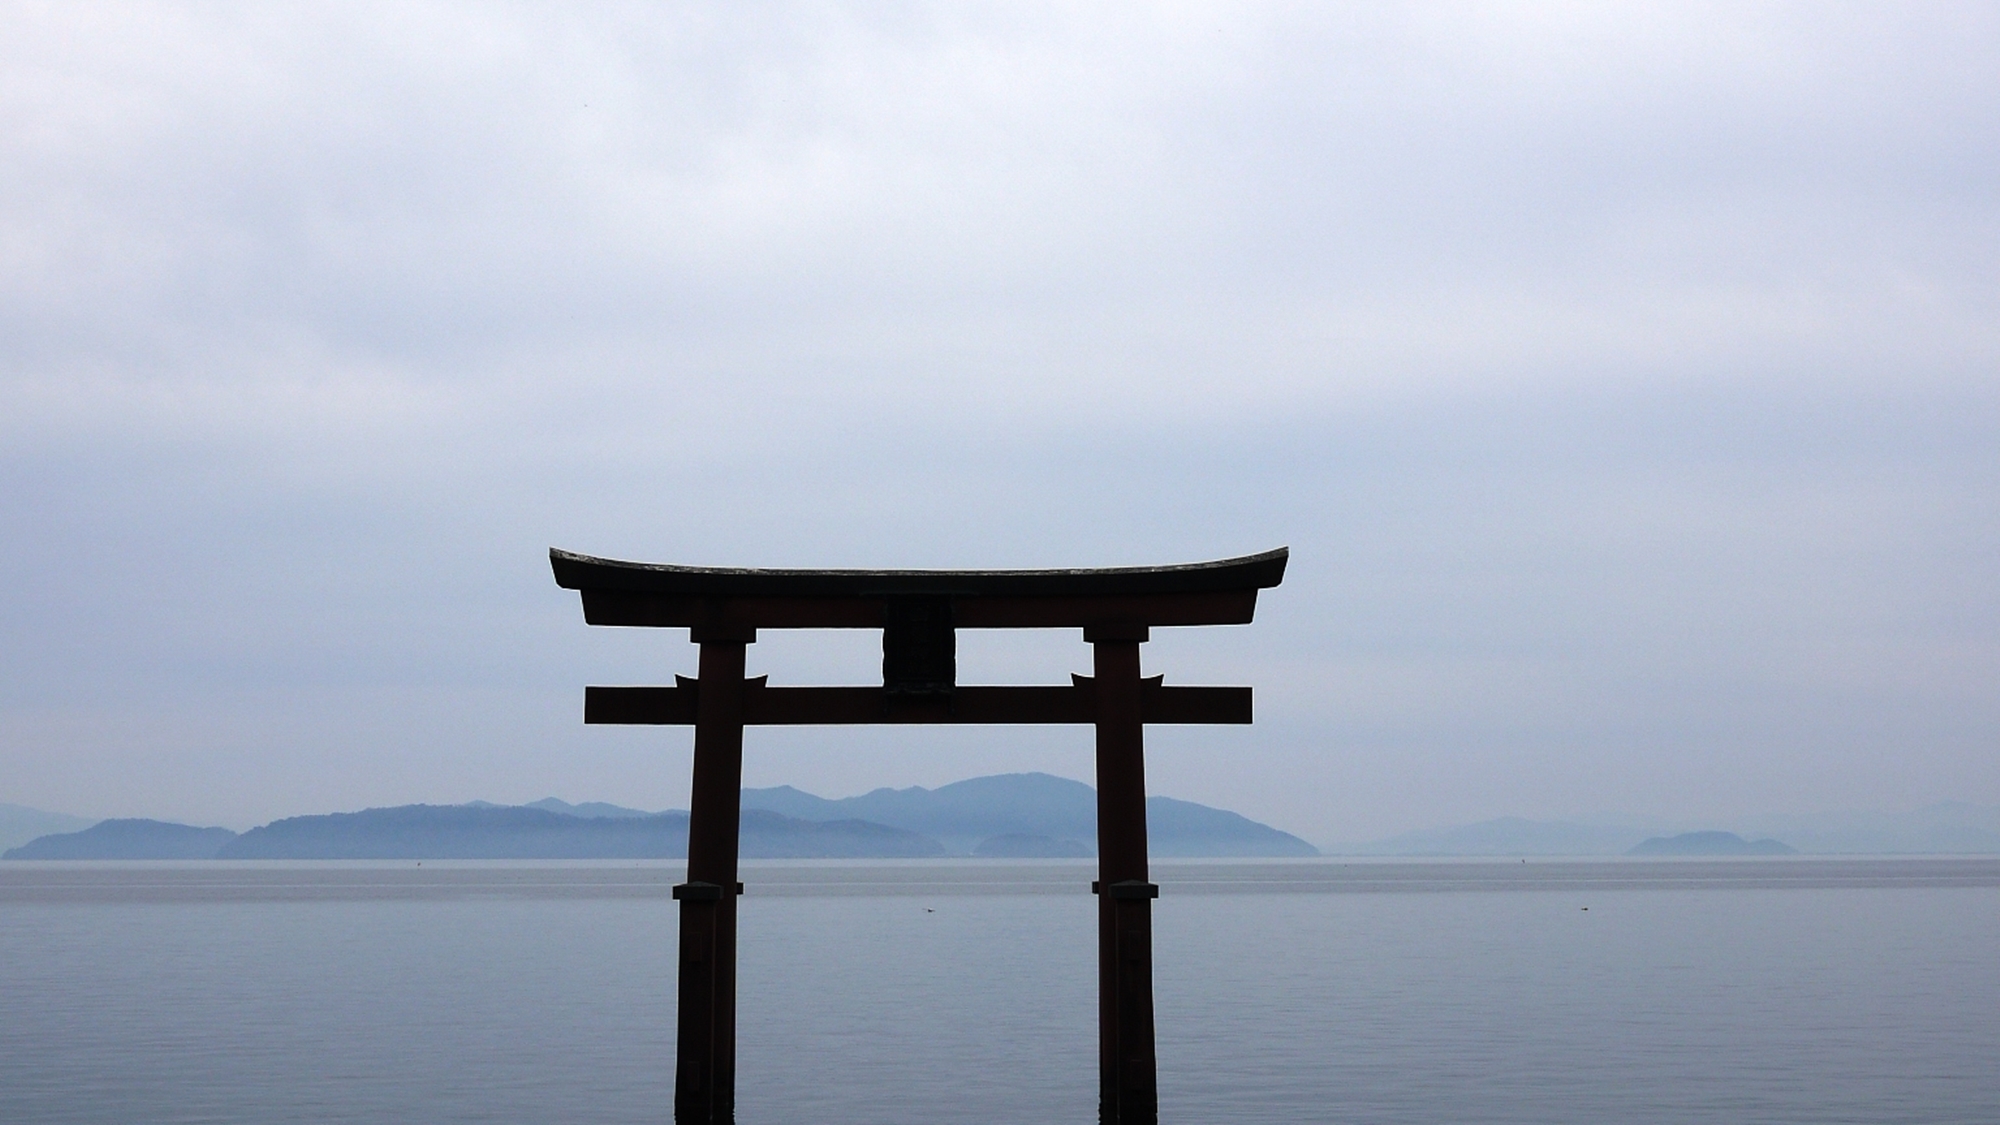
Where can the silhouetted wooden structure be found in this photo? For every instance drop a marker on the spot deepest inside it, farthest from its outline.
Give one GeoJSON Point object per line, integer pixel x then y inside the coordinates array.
{"type": "Point", "coordinates": [918, 612]}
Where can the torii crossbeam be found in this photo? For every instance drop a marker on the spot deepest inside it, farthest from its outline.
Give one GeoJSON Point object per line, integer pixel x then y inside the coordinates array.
{"type": "Point", "coordinates": [919, 612]}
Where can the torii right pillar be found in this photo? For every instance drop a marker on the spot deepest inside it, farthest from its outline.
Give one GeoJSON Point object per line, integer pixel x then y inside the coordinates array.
{"type": "Point", "coordinates": [1128, 1092]}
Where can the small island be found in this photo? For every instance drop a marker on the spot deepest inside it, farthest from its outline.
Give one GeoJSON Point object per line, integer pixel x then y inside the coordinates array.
{"type": "Point", "coordinates": [1710, 843]}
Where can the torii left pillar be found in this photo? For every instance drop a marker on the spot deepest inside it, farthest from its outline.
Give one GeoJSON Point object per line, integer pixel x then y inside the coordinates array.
{"type": "Point", "coordinates": [705, 1063]}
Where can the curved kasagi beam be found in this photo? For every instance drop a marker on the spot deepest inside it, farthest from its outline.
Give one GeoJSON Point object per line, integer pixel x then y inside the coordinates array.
{"type": "Point", "coordinates": [1248, 572]}
{"type": "Point", "coordinates": [1223, 592]}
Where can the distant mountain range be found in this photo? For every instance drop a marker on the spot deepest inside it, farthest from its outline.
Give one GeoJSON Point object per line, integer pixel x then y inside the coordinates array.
{"type": "Point", "coordinates": [526, 832]}
{"type": "Point", "coordinates": [1948, 828]}
{"type": "Point", "coordinates": [1034, 814]}
{"type": "Point", "coordinates": [127, 839]}
{"type": "Point", "coordinates": [1009, 815]}
{"type": "Point", "coordinates": [1012, 815]}
{"type": "Point", "coordinates": [19, 824]}
{"type": "Point", "coordinates": [1508, 835]}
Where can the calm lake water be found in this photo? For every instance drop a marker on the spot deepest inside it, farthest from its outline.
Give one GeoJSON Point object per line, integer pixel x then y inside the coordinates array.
{"type": "Point", "coordinates": [1795, 990]}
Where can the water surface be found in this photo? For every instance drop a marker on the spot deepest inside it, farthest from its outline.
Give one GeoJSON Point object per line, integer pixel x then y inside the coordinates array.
{"type": "Point", "coordinates": [1785, 990]}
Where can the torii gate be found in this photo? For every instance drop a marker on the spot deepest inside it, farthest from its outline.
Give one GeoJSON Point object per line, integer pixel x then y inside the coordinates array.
{"type": "Point", "coordinates": [918, 612]}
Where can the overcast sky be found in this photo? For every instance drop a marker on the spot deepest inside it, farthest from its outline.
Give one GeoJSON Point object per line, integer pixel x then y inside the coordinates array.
{"type": "Point", "coordinates": [1622, 377]}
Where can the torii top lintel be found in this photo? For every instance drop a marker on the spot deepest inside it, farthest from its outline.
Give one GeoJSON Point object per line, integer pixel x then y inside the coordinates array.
{"type": "Point", "coordinates": [1222, 592]}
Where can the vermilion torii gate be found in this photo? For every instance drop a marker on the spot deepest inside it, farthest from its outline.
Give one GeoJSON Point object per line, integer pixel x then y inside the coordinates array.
{"type": "Point", "coordinates": [918, 612]}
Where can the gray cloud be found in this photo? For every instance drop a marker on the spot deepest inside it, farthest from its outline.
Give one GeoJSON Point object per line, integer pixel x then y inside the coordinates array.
{"type": "Point", "coordinates": [1623, 380]}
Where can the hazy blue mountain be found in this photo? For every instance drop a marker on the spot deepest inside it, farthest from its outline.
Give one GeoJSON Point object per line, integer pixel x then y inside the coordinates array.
{"type": "Point", "coordinates": [767, 835]}
{"type": "Point", "coordinates": [521, 832]}
{"type": "Point", "coordinates": [127, 839]}
{"type": "Point", "coordinates": [1019, 845]}
{"type": "Point", "coordinates": [20, 824]}
{"type": "Point", "coordinates": [958, 815]}
{"type": "Point", "coordinates": [1508, 835]}
{"type": "Point", "coordinates": [588, 808]}
{"type": "Point", "coordinates": [1947, 827]}
{"type": "Point", "coordinates": [455, 832]}
{"type": "Point", "coordinates": [1004, 809]}
{"type": "Point", "coordinates": [1709, 843]}
{"type": "Point", "coordinates": [1012, 815]}
{"type": "Point", "coordinates": [796, 802]}
{"type": "Point", "coordinates": [1183, 828]}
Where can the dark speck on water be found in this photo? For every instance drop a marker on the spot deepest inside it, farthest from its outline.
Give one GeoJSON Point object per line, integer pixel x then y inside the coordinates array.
{"type": "Point", "coordinates": [1779, 991]}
